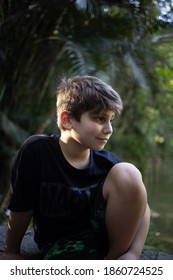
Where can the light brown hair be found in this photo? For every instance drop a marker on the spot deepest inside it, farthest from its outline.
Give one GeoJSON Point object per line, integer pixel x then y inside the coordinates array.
{"type": "Point", "coordinates": [86, 93]}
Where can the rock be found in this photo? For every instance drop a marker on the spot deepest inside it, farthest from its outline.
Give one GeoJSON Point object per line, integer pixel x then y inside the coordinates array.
{"type": "Point", "coordinates": [30, 250]}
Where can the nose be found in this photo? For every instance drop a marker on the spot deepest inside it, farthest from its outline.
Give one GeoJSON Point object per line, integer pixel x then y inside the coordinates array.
{"type": "Point", "coordinates": [108, 128]}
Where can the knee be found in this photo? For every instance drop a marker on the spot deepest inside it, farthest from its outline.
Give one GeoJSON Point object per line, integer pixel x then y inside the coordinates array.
{"type": "Point", "coordinates": [125, 180]}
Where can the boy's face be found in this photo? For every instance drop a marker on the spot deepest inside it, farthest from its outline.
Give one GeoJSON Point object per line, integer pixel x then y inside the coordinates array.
{"type": "Point", "coordinates": [94, 129]}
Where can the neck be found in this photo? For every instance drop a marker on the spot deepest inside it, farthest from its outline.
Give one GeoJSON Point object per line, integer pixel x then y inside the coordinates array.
{"type": "Point", "coordinates": [74, 153]}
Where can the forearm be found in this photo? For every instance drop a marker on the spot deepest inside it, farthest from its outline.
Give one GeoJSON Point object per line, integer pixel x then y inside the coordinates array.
{"type": "Point", "coordinates": [13, 240]}
{"type": "Point", "coordinates": [137, 245]}
{"type": "Point", "coordinates": [17, 225]}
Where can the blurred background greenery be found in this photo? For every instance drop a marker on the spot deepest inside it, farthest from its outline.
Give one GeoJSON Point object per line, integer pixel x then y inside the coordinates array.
{"type": "Point", "coordinates": [128, 44]}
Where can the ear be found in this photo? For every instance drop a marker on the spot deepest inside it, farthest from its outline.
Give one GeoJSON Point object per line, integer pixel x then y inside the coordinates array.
{"type": "Point", "coordinates": [65, 120]}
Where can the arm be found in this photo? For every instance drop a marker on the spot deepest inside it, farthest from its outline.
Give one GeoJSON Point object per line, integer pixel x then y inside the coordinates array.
{"type": "Point", "coordinates": [17, 225]}
{"type": "Point", "coordinates": [137, 245]}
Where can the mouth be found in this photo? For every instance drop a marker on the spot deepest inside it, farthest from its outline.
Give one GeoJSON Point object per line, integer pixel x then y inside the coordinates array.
{"type": "Point", "coordinates": [103, 139]}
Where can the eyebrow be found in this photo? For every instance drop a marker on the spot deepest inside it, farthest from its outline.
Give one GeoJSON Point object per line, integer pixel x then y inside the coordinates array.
{"type": "Point", "coordinates": [102, 113]}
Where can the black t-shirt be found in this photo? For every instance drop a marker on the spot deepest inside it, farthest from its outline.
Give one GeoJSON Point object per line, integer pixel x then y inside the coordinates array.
{"type": "Point", "coordinates": [60, 194]}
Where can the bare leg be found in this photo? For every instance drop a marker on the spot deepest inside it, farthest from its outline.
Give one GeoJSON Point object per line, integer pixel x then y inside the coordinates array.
{"type": "Point", "coordinates": [126, 199]}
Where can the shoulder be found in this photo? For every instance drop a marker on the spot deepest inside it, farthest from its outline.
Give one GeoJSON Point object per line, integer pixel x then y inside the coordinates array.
{"type": "Point", "coordinates": [33, 149]}
{"type": "Point", "coordinates": [36, 141]}
{"type": "Point", "coordinates": [33, 146]}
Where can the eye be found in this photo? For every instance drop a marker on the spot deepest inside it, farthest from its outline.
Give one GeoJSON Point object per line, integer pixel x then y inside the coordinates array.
{"type": "Point", "coordinates": [103, 118]}
{"type": "Point", "coordinates": [112, 120]}
{"type": "Point", "coordinates": [100, 119]}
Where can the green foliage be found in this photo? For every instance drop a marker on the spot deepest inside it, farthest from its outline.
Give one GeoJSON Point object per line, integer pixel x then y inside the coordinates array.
{"type": "Point", "coordinates": [123, 42]}
{"type": "Point", "coordinates": [3, 217]}
{"type": "Point", "coordinates": [156, 243]}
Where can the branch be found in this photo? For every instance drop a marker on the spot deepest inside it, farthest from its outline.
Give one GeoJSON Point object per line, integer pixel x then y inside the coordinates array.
{"type": "Point", "coordinates": [164, 38]}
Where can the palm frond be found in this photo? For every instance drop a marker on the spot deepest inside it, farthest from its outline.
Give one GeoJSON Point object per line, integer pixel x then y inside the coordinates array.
{"type": "Point", "coordinates": [11, 131]}
{"type": "Point", "coordinates": [137, 71]}
{"type": "Point", "coordinates": [76, 57]}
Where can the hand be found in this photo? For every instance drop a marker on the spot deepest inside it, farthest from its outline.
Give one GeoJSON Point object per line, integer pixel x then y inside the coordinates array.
{"type": "Point", "coordinates": [11, 256]}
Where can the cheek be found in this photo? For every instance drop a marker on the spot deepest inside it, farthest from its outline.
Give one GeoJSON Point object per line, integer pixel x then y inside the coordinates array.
{"type": "Point", "coordinates": [91, 129]}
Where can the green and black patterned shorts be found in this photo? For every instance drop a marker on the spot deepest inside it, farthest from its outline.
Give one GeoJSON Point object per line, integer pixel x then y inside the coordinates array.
{"type": "Point", "coordinates": [91, 244]}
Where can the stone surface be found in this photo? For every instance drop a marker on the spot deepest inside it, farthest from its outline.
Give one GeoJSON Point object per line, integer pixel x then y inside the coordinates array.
{"type": "Point", "coordinates": [28, 247]}
{"type": "Point", "coordinates": [30, 251]}
{"type": "Point", "coordinates": [150, 255]}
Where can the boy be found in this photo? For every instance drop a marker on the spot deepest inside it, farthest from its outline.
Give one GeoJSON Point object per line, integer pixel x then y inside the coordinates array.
{"type": "Point", "coordinates": [85, 202]}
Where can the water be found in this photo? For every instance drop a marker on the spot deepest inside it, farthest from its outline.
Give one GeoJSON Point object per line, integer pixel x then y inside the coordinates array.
{"type": "Point", "coordinates": [159, 183]}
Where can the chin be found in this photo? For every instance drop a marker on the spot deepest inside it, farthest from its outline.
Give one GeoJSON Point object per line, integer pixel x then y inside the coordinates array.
{"type": "Point", "coordinates": [98, 149]}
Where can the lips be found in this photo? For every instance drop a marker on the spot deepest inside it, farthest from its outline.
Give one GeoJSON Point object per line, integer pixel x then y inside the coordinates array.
{"type": "Point", "coordinates": [103, 139]}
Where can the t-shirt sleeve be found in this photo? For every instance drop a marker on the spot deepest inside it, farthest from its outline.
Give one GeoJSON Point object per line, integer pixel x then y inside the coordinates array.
{"type": "Point", "coordinates": [25, 178]}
